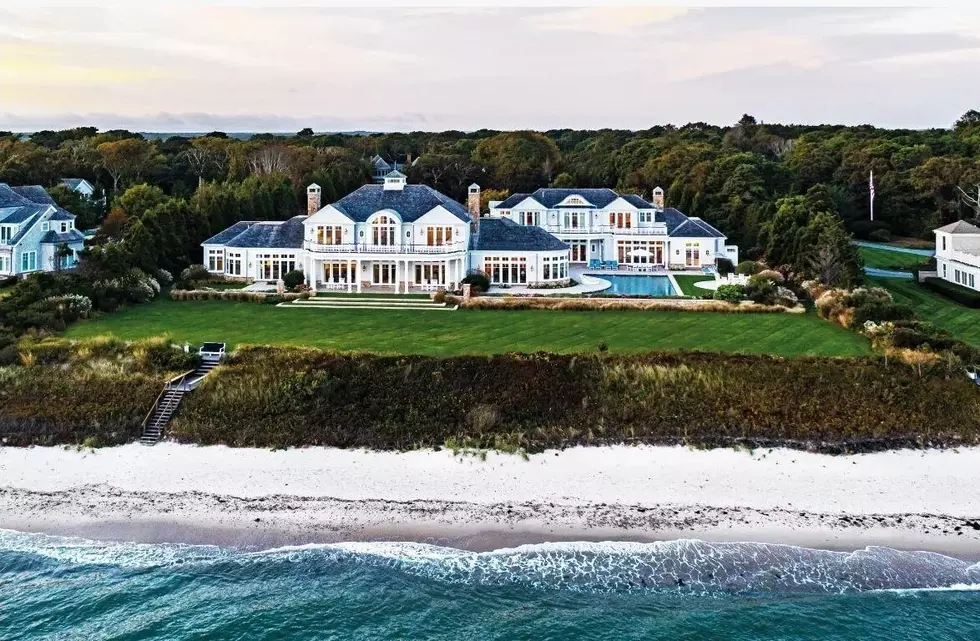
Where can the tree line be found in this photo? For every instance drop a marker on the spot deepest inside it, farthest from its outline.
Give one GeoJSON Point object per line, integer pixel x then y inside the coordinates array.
{"type": "Point", "coordinates": [787, 194]}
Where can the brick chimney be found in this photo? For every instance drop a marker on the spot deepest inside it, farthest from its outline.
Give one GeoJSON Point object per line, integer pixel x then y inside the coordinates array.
{"type": "Point", "coordinates": [657, 198]}
{"type": "Point", "coordinates": [473, 205]}
{"type": "Point", "coordinates": [312, 199]}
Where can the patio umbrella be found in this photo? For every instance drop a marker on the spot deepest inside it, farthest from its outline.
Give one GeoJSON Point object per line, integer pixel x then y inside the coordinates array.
{"type": "Point", "coordinates": [640, 252]}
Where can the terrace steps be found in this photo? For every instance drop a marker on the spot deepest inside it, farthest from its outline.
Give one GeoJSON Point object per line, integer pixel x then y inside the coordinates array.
{"type": "Point", "coordinates": [369, 303]}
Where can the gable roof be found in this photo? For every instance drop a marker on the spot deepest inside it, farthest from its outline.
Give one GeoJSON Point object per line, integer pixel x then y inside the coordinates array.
{"type": "Point", "coordinates": [550, 197]}
{"type": "Point", "coordinates": [72, 183]}
{"type": "Point", "coordinates": [411, 202]}
{"type": "Point", "coordinates": [20, 215]}
{"type": "Point", "coordinates": [61, 214]}
{"type": "Point", "coordinates": [959, 227]}
{"type": "Point", "coordinates": [695, 228]}
{"type": "Point", "coordinates": [70, 236]}
{"type": "Point", "coordinates": [503, 234]}
{"type": "Point", "coordinates": [223, 237]}
{"type": "Point", "coordinates": [10, 198]}
{"type": "Point", "coordinates": [35, 194]}
{"type": "Point", "coordinates": [286, 234]}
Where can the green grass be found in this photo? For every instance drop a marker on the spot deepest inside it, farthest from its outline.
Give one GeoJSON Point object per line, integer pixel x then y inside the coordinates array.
{"type": "Point", "coordinates": [961, 321]}
{"type": "Point", "coordinates": [886, 259]}
{"type": "Point", "coordinates": [686, 282]}
{"type": "Point", "coordinates": [476, 331]}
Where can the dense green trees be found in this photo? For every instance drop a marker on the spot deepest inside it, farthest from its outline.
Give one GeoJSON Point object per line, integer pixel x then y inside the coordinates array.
{"type": "Point", "coordinates": [748, 179]}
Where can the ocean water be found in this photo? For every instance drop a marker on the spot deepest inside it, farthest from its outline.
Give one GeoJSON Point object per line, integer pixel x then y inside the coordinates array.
{"type": "Point", "coordinates": [62, 588]}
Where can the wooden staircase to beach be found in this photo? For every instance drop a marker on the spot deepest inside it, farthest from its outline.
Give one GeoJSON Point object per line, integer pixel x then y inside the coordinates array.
{"type": "Point", "coordinates": [169, 400]}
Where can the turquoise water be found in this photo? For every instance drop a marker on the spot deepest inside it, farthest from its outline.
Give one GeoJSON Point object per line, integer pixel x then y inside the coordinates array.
{"type": "Point", "coordinates": [57, 588]}
{"type": "Point", "coordinates": [638, 285]}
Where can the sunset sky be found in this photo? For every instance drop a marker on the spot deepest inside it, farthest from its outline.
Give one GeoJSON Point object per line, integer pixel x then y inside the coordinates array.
{"type": "Point", "coordinates": [156, 68]}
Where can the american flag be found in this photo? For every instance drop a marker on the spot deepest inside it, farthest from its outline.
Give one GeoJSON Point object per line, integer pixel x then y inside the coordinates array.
{"type": "Point", "coordinates": [871, 184]}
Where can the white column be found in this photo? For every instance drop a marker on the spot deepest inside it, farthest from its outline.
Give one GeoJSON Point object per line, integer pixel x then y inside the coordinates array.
{"type": "Point", "coordinates": [350, 280]}
{"type": "Point", "coordinates": [313, 274]}
{"type": "Point", "coordinates": [357, 275]}
{"type": "Point", "coordinates": [398, 276]}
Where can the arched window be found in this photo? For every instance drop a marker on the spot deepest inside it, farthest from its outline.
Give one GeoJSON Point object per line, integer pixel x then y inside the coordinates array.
{"type": "Point", "coordinates": [383, 230]}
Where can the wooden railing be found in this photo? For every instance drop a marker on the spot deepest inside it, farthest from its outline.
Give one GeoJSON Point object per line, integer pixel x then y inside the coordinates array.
{"type": "Point", "coordinates": [169, 385]}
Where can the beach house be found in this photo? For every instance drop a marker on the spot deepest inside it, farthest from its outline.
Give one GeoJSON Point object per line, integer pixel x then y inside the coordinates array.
{"type": "Point", "coordinates": [35, 233]}
{"type": "Point", "coordinates": [603, 227]}
{"type": "Point", "coordinates": [401, 238]}
{"type": "Point", "coordinates": [394, 237]}
{"type": "Point", "coordinates": [958, 254]}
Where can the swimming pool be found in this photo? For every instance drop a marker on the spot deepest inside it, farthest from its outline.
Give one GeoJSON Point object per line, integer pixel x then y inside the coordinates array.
{"type": "Point", "coordinates": [638, 285]}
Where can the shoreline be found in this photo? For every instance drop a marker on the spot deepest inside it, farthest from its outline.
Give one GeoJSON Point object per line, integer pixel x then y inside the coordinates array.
{"type": "Point", "coordinates": [259, 498]}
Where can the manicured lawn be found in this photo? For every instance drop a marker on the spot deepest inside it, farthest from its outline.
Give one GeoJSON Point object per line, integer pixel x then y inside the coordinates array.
{"type": "Point", "coordinates": [885, 259]}
{"type": "Point", "coordinates": [686, 281]}
{"type": "Point", "coordinates": [476, 331]}
{"type": "Point", "coordinates": [961, 321]}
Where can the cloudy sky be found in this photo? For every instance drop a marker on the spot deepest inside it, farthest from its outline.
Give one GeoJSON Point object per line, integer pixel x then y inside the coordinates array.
{"type": "Point", "coordinates": [246, 68]}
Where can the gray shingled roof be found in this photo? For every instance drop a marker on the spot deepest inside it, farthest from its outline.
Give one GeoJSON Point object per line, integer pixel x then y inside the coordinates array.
{"type": "Point", "coordinates": [273, 235]}
{"type": "Point", "coordinates": [19, 215]}
{"type": "Point", "coordinates": [10, 198]}
{"type": "Point", "coordinates": [959, 227]}
{"type": "Point", "coordinates": [672, 217]}
{"type": "Point", "coordinates": [35, 194]}
{"type": "Point", "coordinates": [411, 202]}
{"type": "Point", "coordinates": [551, 196]}
{"type": "Point", "coordinates": [72, 183]}
{"type": "Point", "coordinates": [511, 201]}
{"type": "Point", "coordinates": [503, 234]}
{"type": "Point", "coordinates": [636, 201]}
{"type": "Point", "coordinates": [223, 237]}
{"type": "Point", "coordinates": [70, 236]}
{"type": "Point", "coordinates": [61, 214]}
{"type": "Point", "coordinates": [695, 228]}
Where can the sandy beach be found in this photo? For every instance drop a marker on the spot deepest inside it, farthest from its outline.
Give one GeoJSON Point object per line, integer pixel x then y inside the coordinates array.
{"type": "Point", "coordinates": [905, 499]}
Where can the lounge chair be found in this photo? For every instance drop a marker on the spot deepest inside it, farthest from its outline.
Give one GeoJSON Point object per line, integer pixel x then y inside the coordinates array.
{"type": "Point", "coordinates": [612, 264]}
{"type": "Point", "coordinates": [595, 263]}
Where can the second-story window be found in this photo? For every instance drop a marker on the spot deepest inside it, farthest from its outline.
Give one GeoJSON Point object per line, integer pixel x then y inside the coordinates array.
{"type": "Point", "coordinates": [944, 243]}
{"type": "Point", "coordinates": [438, 236]}
{"type": "Point", "coordinates": [574, 219]}
{"type": "Point", "coordinates": [383, 230]}
{"type": "Point", "coordinates": [621, 220]}
{"type": "Point", "coordinates": [529, 218]}
{"type": "Point", "coordinates": [329, 235]}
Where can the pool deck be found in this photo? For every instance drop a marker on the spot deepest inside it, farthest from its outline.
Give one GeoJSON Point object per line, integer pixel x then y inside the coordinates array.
{"type": "Point", "coordinates": [590, 282]}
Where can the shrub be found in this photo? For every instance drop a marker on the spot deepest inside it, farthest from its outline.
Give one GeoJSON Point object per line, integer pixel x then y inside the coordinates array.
{"type": "Point", "coordinates": [880, 236]}
{"type": "Point", "coordinates": [770, 274]}
{"type": "Point", "coordinates": [724, 266]}
{"type": "Point", "coordinates": [748, 267]}
{"type": "Point", "coordinates": [477, 281]}
{"type": "Point", "coordinates": [292, 280]}
{"type": "Point", "coordinates": [730, 293]}
{"type": "Point", "coordinates": [297, 397]}
{"type": "Point", "coordinates": [164, 277]}
{"type": "Point", "coordinates": [866, 296]}
{"type": "Point", "coordinates": [879, 311]}
{"type": "Point", "coordinates": [439, 296]}
{"type": "Point", "coordinates": [761, 290]}
{"type": "Point", "coordinates": [785, 297]}
{"type": "Point", "coordinates": [958, 293]}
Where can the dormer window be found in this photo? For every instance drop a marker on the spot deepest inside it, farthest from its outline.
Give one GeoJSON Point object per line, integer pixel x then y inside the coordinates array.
{"type": "Point", "coordinates": [395, 181]}
{"type": "Point", "coordinates": [65, 227]}
{"type": "Point", "coordinates": [575, 200]}
{"type": "Point", "coordinates": [45, 226]}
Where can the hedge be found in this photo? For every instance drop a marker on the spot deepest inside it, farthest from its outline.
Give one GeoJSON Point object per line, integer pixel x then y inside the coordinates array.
{"type": "Point", "coordinates": [267, 397]}
{"type": "Point", "coordinates": [960, 294]}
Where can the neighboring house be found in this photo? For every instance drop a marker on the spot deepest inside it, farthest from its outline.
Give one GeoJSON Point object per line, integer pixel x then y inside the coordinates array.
{"type": "Point", "coordinates": [381, 167]}
{"type": "Point", "coordinates": [396, 236]}
{"type": "Point", "coordinates": [80, 185]}
{"type": "Point", "coordinates": [958, 254]}
{"type": "Point", "coordinates": [35, 233]}
{"type": "Point", "coordinates": [601, 225]}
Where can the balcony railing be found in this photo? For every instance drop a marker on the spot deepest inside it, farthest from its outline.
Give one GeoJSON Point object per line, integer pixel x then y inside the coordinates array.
{"type": "Point", "coordinates": [365, 248]}
{"type": "Point", "coordinates": [608, 229]}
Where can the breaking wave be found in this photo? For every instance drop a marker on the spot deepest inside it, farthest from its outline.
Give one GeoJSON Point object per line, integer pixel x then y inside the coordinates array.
{"type": "Point", "coordinates": [682, 567]}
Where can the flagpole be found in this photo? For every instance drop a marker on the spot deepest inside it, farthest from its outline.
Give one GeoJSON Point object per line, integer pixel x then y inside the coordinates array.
{"type": "Point", "coordinates": [871, 193]}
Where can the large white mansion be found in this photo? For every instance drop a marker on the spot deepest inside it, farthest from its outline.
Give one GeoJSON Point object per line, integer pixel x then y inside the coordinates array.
{"type": "Point", "coordinates": [412, 237]}
{"type": "Point", "coordinates": [958, 254]}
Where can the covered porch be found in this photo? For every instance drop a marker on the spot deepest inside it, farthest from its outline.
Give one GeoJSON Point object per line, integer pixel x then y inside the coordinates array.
{"type": "Point", "coordinates": [385, 275]}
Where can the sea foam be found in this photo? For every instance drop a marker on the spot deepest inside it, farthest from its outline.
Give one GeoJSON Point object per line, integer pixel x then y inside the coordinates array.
{"type": "Point", "coordinates": [683, 567]}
